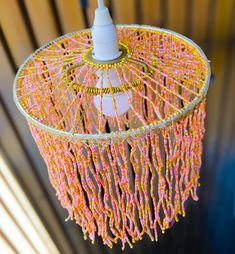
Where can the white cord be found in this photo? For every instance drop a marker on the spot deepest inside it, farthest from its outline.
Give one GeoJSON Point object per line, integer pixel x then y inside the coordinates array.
{"type": "Point", "coordinates": [101, 4]}
{"type": "Point", "coordinates": [104, 35]}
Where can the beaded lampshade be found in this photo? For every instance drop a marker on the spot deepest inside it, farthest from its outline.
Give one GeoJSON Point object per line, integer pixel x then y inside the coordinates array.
{"type": "Point", "coordinates": [122, 139]}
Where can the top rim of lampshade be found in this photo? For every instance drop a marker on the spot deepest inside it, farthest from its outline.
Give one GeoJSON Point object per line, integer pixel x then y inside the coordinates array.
{"type": "Point", "coordinates": [121, 135]}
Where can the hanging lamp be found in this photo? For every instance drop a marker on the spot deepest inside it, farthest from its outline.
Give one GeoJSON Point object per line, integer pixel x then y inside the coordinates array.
{"type": "Point", "coordinates": [118, 116]}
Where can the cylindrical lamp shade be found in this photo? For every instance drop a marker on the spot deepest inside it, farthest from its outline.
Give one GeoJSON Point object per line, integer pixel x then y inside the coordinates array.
{"type": "Point", "coordinates": [128, 174]}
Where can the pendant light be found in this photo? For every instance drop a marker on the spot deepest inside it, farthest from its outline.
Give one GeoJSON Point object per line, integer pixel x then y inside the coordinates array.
{"type": "Point", "coordinates": [117, 113]}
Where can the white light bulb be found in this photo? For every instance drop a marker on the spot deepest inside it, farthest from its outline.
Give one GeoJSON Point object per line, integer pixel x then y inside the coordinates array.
{"type": "Point", "coordinates": [106, 103]}
{"type": "Point", "coordinates": [105, 42]}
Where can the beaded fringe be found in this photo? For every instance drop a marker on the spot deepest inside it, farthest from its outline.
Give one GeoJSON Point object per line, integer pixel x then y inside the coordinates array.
{"type": "Point", "coordinates": [127, 189]}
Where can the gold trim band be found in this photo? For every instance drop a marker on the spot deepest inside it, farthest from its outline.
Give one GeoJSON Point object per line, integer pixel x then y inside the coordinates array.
{"type": "Point", "coordinates": [88, 59]}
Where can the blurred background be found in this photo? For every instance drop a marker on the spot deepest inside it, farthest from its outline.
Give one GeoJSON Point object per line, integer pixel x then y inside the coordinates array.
{"type": "Point", "coordinates": [31, 218]}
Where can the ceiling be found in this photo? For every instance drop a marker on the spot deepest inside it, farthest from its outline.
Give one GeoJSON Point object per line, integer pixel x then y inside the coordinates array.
{"type": "Point", "coordinates": [210, 224]}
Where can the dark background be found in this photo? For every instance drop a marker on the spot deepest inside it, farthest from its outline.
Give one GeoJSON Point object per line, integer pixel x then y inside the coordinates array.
{"type": "Point", "coordinates": [209, 226]}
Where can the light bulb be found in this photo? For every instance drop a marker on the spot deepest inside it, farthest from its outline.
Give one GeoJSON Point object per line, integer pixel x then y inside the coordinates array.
{"type": "Point", "coordinates": [105, 42]}
{"type": "Point", "coordinates": [106, 103]}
